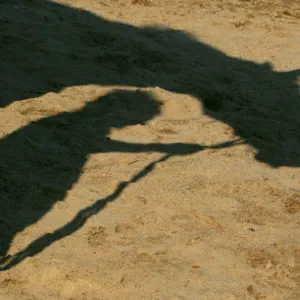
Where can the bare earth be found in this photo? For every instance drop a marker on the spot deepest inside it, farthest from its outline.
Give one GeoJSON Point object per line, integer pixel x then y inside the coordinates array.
{"type": "Point", "coordinates": [150, 149]}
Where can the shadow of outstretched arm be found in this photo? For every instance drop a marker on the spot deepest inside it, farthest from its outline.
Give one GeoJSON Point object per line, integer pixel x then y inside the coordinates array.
{"type": "Point", "coordinates": [80, 219]}
{"type": "Point", "coordinates": [170, 148]}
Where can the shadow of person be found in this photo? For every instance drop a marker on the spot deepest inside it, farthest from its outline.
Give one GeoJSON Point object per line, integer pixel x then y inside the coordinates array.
{"type": "Point", "coordinates": [40, 162]}
{"type": "Point", "coordinates": [46, 46]}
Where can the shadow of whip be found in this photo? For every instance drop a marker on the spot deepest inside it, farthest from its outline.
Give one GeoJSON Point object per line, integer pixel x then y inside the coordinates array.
{"type": "Point", "coordinates": [83, 215]}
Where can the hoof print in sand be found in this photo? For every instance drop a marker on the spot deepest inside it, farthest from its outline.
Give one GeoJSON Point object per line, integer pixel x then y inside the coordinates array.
{"type": "Point", "coordinates": [96, 236]}
{"type": "Point", "coordinates": [292, 204]}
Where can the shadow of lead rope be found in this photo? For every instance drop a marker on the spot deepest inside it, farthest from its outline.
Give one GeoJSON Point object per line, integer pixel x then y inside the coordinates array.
{"type": "Point", "coordinates": [80, 219]}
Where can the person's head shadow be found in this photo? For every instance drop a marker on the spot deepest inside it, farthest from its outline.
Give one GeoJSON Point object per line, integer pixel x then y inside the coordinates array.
{"type": "Point", "coordinates": [121, 108]}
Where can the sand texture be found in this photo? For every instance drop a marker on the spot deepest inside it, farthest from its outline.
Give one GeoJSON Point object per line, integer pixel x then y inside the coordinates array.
{"type": "Point", "coordinates": [150, 150]}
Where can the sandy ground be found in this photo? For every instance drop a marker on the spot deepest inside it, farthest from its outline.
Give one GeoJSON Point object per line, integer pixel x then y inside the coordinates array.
{"type": "Point", "coordinates": [150, 149]}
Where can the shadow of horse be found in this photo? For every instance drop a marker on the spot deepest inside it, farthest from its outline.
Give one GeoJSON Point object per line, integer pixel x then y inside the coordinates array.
{"type": "Point", "coordinates": [46, 46]}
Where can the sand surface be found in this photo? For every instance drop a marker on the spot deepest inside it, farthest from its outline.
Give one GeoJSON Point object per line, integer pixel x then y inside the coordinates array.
{"type": "Point", "coordinates": [150, 149]}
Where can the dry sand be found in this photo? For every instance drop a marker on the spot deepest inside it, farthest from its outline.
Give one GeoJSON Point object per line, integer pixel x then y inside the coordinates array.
{"type": "Point", "coordinates": [150, 149]}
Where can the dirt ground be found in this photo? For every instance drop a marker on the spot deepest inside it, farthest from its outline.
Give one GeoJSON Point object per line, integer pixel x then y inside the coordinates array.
{"type": "Point", "coordinates": [150, 149]}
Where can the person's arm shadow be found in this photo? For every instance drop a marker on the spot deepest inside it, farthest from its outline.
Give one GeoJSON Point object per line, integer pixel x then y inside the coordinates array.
{"type": "Point", "coordinates": [171, 149]}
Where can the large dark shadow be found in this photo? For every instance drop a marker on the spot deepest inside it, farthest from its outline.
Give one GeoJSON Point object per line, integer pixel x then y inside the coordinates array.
{"type": "Point", "coordinates": [45, 46]}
